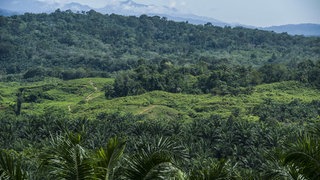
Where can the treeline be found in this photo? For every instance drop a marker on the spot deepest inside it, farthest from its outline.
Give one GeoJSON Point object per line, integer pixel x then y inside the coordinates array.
{"type": "Point", "coordinates": [67, 44]}
{"type": "Point", "coordinates": [215, 76]}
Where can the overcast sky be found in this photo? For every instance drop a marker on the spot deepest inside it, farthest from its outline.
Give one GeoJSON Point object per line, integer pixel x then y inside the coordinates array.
{"type": "Point", "coordinates": [249, 12]}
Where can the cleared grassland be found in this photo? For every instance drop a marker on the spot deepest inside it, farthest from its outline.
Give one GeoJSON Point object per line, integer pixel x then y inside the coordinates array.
{"type": "Point", "coordinates": [84, 98]}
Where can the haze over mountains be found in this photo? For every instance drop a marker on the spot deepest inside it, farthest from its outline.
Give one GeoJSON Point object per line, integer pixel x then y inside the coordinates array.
{"type": "Point", "coordinates": [129, 7]}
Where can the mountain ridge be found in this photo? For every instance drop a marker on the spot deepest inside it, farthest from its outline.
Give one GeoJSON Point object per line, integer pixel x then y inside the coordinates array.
{"type": "Point", "coordinates": [307, 29]}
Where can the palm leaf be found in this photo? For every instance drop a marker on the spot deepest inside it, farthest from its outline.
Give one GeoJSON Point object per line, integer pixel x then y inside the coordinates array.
{"type": "Point", "coordinates": [305, 155]}
{"type": "Point", "coordinates": [67, 159]}
{"type": "Point", "coordinates": [217, 170]}
{"type": "Point", "coordinates": [10, 168]}
{"type": "Point", "coordinates": [275, 167]}
{"type": "Point", "coordinates": [159, 161]}
{"type": "Point", "coordinates": [108, 158]}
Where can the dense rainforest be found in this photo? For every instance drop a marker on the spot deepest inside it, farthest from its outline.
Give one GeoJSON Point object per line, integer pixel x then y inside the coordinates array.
{"type": "Point", "coordinates": [93, 96]}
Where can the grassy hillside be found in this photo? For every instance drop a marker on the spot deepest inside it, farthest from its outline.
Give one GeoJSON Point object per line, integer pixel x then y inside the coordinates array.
{"type": "Point", "coordinates": [85, 98]}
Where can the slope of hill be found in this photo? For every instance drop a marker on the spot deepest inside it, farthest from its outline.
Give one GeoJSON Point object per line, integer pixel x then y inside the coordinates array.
{"type": "Point", "coordinates": [5, 12]}
{"type": "Point", "coordinates": [86, 98]}
{"type": "Point", "coordinates": [93, 42]}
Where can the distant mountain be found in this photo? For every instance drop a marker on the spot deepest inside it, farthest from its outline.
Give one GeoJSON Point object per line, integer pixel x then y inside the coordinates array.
{"type": "Point", "coordinates": [130, 7]}
{"type": "Point", "coordinates": [193, 19]}
{"type": "Point", "coordinates": [5, 12]}
{"type": "Point", "coordinates": [296, 29]}
{"type": "Point", "coordinates": [75, 7]}
{"type": "Point", "coordinates": [32, 6]}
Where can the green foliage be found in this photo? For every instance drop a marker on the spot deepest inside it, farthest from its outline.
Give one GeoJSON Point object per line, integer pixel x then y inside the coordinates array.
{"type": "Point", "coordinates": [158, 161]}
{"type": "Point", "coordinates": [67, 159]}
{"type": "Point", "coordinates": [299, 159]}
{"type": "Point", "coordinates": [304, 155]}
{"type": "Point", "coordinates": [72, 45]}
{"type": "Point", "coordinates": [10, 167]}
{"type": "Point", "coordinates": [107, 159]}
{"type": "Point", "coordinates": [213, 171]}
{"type": "Point", "coordinates": [295, 111]}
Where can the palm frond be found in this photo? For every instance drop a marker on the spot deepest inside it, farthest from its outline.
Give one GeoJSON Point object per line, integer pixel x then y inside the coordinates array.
{"type": "Point", "coordinates": [305, 156]}
{"type": "Point", "coordinates": [66, 159]}
{"type": "Point", "coordinates": [217, 170]}
{"type": "Point", "coordinates": [159, 161]}
{"type": "Point", "coordinates": [176, 151]}
{"type": "Point", "coordinates": [108, 158]}
{"type": "Point", "coordinates": [315, 130]}
{"type": "Point", "coordinates": [10, 168]}
{"type": "Point", "coordinates": [275, 168]}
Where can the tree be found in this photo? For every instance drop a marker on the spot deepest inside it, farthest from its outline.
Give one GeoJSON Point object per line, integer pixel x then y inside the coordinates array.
{"type": "Point", "coordinates": [275, 168]}
{"type": "Point", "coordinates": [158, 161]}
{"type": "Point", "coordinates": [301, 160]}
{"type": "Point", "coordinates": [274, 73]}
{"type": "Point", "coordinates": [218, 170]}
{"type": "Point", "coordinates": [10, 168]}
{"type": "Point", "coordinates": [108, 158]}
{"type": "Point", "coordinates": [109, 92]}
{"type": "Point", "coordinates": [19, 101]}
{"type": "Point", "coordinates": [67, 159]}
{"type": "Point", "coordinates": [304, 155]}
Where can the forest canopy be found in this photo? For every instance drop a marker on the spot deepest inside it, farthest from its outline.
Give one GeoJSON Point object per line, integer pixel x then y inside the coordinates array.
{"type": "Point", "coordinates": [72, 45]}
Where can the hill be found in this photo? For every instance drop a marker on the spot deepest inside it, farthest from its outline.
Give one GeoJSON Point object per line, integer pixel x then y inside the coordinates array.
{"type": "Point", "coordinates": [297, 29]}
{"type": "Point", "coordinates": [94, 43]}
{"type": "Point", "coordinates": [85, 98]}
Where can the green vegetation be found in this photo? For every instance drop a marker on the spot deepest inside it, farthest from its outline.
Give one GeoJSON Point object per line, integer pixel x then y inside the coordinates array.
{"type": "Point", "coordinates": [224, 130]}
{"type": "Point", "coordinates": [92, 96]}
{"type": "Point", "coordinates": [72, 45]}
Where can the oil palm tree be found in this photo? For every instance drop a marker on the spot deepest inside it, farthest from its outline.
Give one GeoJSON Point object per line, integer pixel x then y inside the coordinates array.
{"type": "Point", "coordinates": [275, 167]}
{"type": "Point", "coordinates": [305, 156]}
{"type": "Point", "coordinates": [157, 161]}
{"type": "Point", "coordinates": [67, 159]}
{"type": "Point", "coordinates": [10, 168]}
{"type": "Point", "coordinates": [219, 170]}
{"type": "Point", "coordinates": [108, 158]}
{"type": "Point", "coordinates": [300, 161]}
